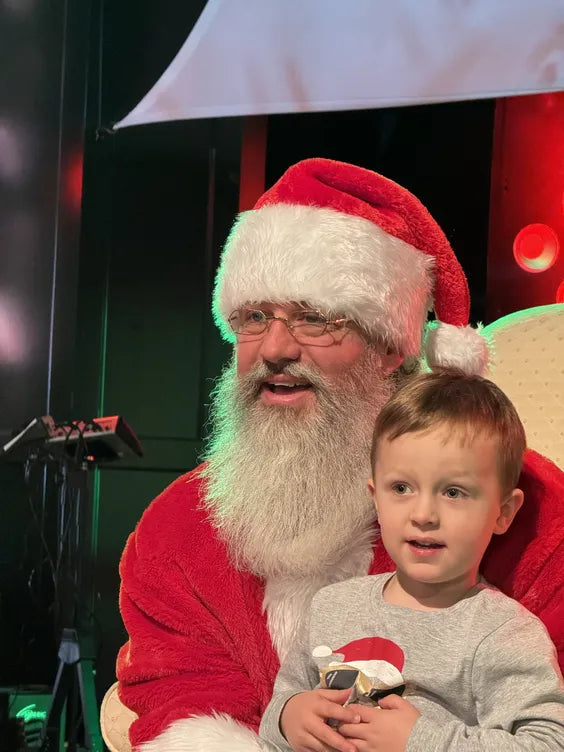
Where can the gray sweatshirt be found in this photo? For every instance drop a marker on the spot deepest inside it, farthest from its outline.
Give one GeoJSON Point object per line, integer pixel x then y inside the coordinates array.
{"type": "Point", "coordinates": [483, 673]}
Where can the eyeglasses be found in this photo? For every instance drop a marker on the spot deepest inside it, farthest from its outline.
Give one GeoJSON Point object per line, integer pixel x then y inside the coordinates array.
{"type": "Point", "coordinates": [302, 323]}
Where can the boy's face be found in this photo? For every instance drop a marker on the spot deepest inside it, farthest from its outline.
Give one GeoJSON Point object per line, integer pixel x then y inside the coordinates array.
{"type": "Point", "coordinates": [439, 500]}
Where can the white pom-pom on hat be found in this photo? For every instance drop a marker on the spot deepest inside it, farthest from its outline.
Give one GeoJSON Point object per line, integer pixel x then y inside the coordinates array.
{"type": "Point", "coordinates": [460, 347]}
{"type": "Point", "coordinates": [322, 651]}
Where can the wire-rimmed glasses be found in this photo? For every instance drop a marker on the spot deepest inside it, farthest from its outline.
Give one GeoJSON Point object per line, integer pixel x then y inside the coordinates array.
{"type": "Point", "coordinates": [303, 323]}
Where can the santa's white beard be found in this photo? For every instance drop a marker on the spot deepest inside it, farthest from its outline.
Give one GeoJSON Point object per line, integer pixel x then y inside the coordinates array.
{"type": "Point", "coordinates": [287, 488]}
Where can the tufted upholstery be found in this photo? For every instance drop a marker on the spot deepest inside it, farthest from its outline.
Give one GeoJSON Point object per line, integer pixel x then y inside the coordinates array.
{"type": "Point", "coordinates": [115, 720]}
{"type": "Point", "coordinates": [528, 364]}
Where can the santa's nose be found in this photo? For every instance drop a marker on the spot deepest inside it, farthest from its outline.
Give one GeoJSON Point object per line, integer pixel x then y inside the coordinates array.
{"type": "Point", "coordinates": [279, 346]}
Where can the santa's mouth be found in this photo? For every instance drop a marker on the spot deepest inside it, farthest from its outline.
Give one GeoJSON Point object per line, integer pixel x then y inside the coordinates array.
{"type": "Point", "coordinates": [286, 388]}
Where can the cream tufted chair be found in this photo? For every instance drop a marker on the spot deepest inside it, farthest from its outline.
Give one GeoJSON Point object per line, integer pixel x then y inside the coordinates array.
{"type": "Point", "coordinates": [528, 364]}
{"type": "Point", "coordinates": [115, 720]}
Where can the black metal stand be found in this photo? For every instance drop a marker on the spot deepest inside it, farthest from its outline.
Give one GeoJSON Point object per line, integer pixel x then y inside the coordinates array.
{"type": "Point", "coordinates": [76, 671]}
{"type": "Point", "coordinates": [74, 689]}
{"type": "Point", "coordinates": [75, 447]}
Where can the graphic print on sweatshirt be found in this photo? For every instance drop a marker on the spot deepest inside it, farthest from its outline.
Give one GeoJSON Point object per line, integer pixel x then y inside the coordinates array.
{"type": "Point", "coordinates": [378, 660]}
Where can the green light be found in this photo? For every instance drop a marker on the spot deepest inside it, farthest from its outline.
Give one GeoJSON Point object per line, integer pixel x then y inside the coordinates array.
{"type": "Point", "coordinates": [28, 714]}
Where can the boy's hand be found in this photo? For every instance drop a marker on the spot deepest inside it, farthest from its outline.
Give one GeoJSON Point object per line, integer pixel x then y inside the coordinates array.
{"type": "Point", "coordinates": [303, 720]}
{"type": "Point", "coordinates": [385, 730]}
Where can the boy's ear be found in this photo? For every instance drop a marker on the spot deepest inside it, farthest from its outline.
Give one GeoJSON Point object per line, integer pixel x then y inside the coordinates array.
{"type": "Point", "coordinates": [373, 493]}
{"type": "Point", "coordinates": [509, 508]}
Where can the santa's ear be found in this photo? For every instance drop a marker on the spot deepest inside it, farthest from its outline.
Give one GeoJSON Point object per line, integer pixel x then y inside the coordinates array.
{"type": "Point", "coordinates": [509, 508]}
{"type": "Point", "coordinates": [391, 361]}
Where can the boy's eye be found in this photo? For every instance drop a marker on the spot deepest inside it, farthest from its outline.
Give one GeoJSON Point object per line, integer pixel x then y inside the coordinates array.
{"type": "Point", "coordinates": [454, 493]}
{"type": "Point", "coordinates": [401, 488]}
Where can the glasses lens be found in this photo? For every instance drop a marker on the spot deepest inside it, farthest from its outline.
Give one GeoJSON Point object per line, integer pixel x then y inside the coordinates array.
{"type": "Point", "coordinates": [308, 323]}
{"type": "Point", "coordinates": [248, 321]}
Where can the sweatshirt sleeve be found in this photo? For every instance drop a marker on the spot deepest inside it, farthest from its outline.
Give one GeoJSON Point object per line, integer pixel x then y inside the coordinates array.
{"type": "Point", "coordinates": [519, 695]}
{"type": "Point", "coordinates": [298, 673]}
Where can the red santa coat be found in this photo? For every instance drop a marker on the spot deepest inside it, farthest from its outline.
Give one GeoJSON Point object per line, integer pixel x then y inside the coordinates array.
{"type": "Point", "coordinates": [198, 637]}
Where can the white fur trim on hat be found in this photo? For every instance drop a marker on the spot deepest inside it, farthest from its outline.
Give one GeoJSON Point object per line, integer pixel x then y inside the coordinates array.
{"type": "Point", "coordinates": [342, 264]}
{"type": "Point", "coordinates": [460, 347]}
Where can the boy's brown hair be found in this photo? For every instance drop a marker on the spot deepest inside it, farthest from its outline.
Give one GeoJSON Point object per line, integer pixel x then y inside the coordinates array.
{"type": "Point", "coordinates": [470, 403]}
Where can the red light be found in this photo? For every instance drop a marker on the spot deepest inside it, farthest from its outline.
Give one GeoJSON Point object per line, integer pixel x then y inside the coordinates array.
{"type": "Point", "coordinates": [560, 293]}
{"type": "Point", "coordinates": [73, 182]}
{"type": "Point", "coordinates": [536, 248]}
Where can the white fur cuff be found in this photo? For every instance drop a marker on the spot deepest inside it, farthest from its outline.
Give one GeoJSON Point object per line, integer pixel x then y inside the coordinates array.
{"type": "Point", "coordinates": [217, 733]}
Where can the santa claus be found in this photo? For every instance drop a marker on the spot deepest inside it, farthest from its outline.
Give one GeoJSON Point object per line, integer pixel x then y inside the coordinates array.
{"type": "Point", "coordinates": [324, 289]}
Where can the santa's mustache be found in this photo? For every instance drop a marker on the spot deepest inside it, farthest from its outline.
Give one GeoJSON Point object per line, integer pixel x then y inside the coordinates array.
{"type": "Point", "coordinates": [251, 383]}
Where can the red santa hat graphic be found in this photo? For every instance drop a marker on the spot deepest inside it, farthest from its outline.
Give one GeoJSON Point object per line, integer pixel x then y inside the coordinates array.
{"type": "Point", "coordinates": [378, 659]}
{"type": "Point", "coordinates": [351, 242]}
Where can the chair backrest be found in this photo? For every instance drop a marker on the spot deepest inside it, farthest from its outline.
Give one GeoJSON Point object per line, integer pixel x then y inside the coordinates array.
{"type": "Point", "coordinates": [528, 364]}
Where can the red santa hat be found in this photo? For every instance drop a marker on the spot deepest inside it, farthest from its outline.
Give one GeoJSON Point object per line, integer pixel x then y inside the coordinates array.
{"type": "Point", "coordinates": [377, 658]}
{"type": "Point", "coordinates": [365, 649]}
{"type": "Point", "coordinates": [373, 648]}
{"type": "Point", "coordinates": [352, 243]}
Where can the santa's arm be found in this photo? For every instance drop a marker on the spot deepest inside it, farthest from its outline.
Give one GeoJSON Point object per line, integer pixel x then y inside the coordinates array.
{"type": "Point", "coordinates": [180, 671]}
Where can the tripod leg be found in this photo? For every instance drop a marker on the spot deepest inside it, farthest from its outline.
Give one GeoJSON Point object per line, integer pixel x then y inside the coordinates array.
{"type": "Point", "coordinates": [51, 737]}
{"type": "Point", "coordinates": [90, 714]}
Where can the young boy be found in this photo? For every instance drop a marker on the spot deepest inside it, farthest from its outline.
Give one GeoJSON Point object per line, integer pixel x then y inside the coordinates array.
{"type": "Point", "coordinates": [480, 669]}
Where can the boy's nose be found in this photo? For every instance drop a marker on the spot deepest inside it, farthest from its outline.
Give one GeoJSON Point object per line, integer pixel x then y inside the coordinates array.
{"type": "Point", "coordinates": [424, 512]}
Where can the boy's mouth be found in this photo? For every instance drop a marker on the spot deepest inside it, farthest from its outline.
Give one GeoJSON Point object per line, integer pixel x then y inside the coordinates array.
{"type": "Point", "coordinates": [425, 543]}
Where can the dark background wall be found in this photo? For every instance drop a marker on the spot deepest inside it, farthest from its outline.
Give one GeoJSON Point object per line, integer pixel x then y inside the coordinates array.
{"type": "Point", "coordinates": [43, 75]}
{"type": "Point", "coordinates": [157, 204]}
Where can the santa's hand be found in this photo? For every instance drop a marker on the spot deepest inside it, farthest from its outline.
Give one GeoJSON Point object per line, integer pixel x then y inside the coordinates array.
{"type": "Point", "coordinates": [303, 720]}
{"type": "Point", "coordinates": [384, 729]}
